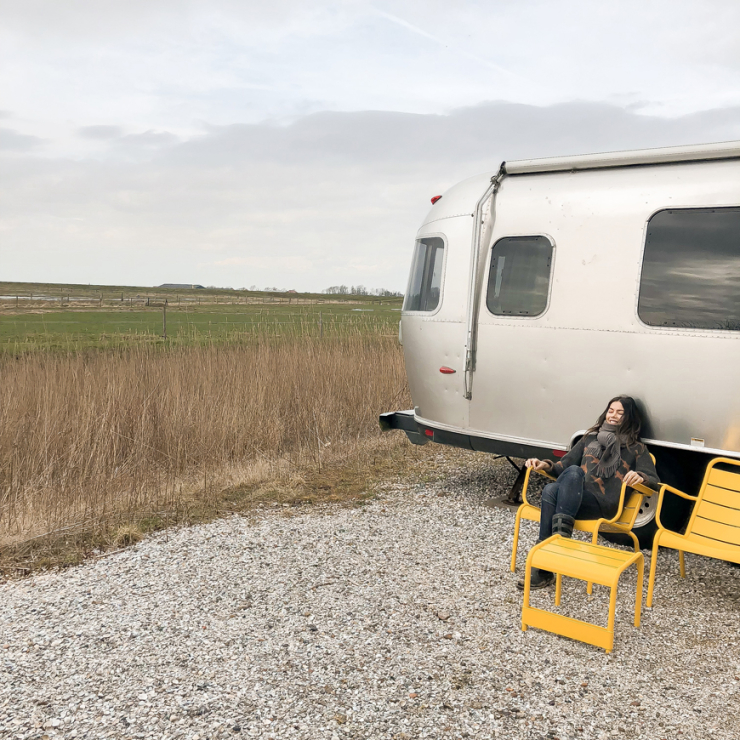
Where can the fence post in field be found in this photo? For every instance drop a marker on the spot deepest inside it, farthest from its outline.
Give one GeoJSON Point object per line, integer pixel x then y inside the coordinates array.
{"type": "Point", "coordinates": [164, 319]}
{"type": "Point", "coordinates": [321, 327]}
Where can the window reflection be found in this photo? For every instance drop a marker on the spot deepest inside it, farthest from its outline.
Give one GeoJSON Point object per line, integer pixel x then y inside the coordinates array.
{"type": "Point", "coordinates": [425, 281]}
{"type": "Point", "coordinates": [519, 279]}
{"type": "Point", "coordinates": [691, 269]}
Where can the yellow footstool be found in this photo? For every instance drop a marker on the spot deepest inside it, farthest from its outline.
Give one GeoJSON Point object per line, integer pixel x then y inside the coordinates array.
{"type": "Point", "coordinates": [587, 562]}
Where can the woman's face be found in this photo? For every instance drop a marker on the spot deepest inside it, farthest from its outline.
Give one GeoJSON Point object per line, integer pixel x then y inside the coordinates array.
{"type": "Point", "coordinates": [615, 413]}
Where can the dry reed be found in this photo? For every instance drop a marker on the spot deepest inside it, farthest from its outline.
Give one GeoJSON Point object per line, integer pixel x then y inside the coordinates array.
{"type": "Point", "coordinates": [94, 438]}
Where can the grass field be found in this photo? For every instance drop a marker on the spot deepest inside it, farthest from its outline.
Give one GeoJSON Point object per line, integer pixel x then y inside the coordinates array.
{"type": "Point", "coordinates": [108, 430]}
{"type": "Point", "coordinates": [43, 317]}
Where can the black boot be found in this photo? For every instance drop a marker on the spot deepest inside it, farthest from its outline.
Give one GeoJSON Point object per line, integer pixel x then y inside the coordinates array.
{"type": "Point", "coordinates": [562, 524]}
{"type": "Point", "coordinates": [540, 579]}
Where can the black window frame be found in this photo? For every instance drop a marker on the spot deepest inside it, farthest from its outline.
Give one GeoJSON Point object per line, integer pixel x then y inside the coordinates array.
{"type": "Point", "coordinates": [675, 325]}
{"type": "Point", "coordinates": [428, 275]}
{"type": "Point", "coordinates": [551, 264]}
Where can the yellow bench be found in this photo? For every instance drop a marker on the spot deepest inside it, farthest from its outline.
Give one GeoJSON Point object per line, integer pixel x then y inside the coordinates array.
{"type": "Point", "coordinates": [714, 526]}
{"type": "Point", "coordinates": [622, 522]}
{"type": "Point", "coordinates": [587, 562]}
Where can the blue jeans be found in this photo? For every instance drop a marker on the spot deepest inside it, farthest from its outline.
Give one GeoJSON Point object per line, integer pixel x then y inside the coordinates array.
{"type": "Point", "coordinates": [566, 496]}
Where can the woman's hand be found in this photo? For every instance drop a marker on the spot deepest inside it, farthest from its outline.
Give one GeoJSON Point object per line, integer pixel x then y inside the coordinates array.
{"type": "Point", "coordinates": [633, 477]}
{"type": "Point", "coordinates": [537, 465]}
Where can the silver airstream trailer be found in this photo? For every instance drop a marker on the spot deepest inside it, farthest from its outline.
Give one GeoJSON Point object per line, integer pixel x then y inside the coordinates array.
{"type": "Point", "coordinates": [539, 292]}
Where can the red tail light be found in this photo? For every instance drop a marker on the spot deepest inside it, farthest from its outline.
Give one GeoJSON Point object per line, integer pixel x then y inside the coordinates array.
{"type": "Point", "coordinates": [435, 199]}
{"type": "Point", "coordinates": [446, 370]}
{"type": "Point", "coordinates": [429, 432]}
{"type": "Point", "coordinates": [559, 453]}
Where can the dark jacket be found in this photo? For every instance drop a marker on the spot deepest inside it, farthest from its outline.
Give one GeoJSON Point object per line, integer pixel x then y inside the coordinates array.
{"type": "Point", "coordinates": [607, 491]}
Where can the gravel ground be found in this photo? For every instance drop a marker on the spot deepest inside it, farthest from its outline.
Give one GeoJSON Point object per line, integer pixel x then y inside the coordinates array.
{"type": "Point", "coordinates": [398, 619]}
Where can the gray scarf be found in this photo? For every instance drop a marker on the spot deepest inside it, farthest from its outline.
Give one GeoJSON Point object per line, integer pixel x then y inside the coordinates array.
{"type": "Point", "coordinates": [606, 448]}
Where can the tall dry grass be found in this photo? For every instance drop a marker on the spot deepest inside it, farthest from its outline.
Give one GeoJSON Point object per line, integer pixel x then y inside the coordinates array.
{"type": "Point", "coordinates": [87, 438]}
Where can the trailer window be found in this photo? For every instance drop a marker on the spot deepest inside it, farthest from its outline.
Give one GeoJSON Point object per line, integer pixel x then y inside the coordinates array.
{"type": "Point", "coordinates": [691, 269]}
{"type": "Point", "coordinates": [519, 280]}
{"type": "Point", "coordinates": [425, 281]}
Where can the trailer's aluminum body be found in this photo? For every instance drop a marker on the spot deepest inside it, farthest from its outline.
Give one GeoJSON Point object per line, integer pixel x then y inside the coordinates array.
{"type": "Point", "coordinates": [536, 380]}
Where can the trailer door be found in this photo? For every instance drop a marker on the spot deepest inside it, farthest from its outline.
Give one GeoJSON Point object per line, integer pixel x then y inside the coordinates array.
{"type": "Point", "coordinates": [515, 298]}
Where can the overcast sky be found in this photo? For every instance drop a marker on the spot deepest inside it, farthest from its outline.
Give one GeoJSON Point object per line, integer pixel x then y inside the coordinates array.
{"type": "Point", "coordinates": [296, 144]}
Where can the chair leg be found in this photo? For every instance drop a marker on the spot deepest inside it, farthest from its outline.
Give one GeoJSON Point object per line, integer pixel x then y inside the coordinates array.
{"type": "Point", "coordinates": [514, 547]}
{"type": "Point", "coordinates": [527, 580]}
{"type": "Point", "coordinates": [681, 564]}
{"type": "Point", "coordinates": [589, 584]}
{"type": "Point", "coordinates": [653, 566]}
{"type": "Point", "coordinates": [612, 611]}
{"type": "Point", "coordinates": [638, 599]}
{"type": "Point", "coordinates": [558, 588]}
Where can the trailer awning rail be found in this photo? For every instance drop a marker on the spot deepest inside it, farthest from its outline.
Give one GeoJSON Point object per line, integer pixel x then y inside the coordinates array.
{"type": "Point", "coordinates": [662, 155]}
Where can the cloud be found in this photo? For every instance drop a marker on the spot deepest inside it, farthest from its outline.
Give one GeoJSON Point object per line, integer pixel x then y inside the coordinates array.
{"type": "Point", "coordinates": [442, 43]}
{"type": "Point", "coordinates": [165, 65]}
{"type": "Point", "coordinates": [331, 198]}
{"type": "Point", "coordinates": [13, 141]}
{"type": "Point", "coordinates": [150, 140]}
{"type": "Point", "coordinates": [114, 143]}
{"type": "Point", "coordinates": [241, 262]}
{"type": "Point", "coordinates": [465, 135]}
{"type": "Point", "coordinates": [76, 20]}
{"type": "Point", "coordinates": [102, 133]}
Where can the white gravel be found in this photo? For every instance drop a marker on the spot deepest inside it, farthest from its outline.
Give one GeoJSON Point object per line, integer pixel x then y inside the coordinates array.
{"type": "Point", "coordinates": [399, 619]}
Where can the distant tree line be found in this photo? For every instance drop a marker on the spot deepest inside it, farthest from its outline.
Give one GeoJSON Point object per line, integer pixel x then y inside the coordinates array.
{"type": "Point", "coordinates": [361, 290]}
{"type": "Point", "coordinates": [332, 290]}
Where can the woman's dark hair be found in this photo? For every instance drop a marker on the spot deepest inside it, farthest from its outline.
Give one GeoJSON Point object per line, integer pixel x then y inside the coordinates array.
{"type": "Point", "coordinates": [629, 429]}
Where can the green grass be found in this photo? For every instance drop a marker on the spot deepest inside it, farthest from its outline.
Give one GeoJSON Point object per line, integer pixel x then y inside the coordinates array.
{"type": "Point", "coordinates": [198, 317]}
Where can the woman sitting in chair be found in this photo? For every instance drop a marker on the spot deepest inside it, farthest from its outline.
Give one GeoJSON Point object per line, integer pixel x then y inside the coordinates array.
{"type": "Point", "coordinates": [590, 477]}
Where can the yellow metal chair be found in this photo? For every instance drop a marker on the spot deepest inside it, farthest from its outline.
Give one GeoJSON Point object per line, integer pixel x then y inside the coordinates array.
{"type": "Point", "coordinates": [714, 526]}
{"type": "Point", "coordinates": [622, 522]}
{"type": "Point", "coordinates": [587, 562]}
